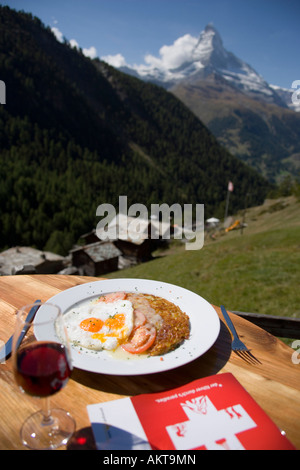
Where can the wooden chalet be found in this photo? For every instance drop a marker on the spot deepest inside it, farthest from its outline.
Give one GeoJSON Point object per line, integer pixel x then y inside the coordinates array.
{"type": "Point", "coordinates": [96, 258]}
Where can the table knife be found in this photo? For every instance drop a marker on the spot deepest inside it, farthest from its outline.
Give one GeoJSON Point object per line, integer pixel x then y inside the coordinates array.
{"type": "Point", "coordinates": [6, 350]}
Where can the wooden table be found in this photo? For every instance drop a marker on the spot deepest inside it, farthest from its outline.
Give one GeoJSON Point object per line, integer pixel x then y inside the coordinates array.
{"type": "Point", "coordinates": [274, 382]}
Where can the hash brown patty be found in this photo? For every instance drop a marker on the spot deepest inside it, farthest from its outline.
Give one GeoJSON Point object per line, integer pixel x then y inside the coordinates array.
{"type": "Point", "coordinates": [172, 329]}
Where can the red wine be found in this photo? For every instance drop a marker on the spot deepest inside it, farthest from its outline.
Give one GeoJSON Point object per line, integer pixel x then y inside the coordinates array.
{"type": "Point", "coordinates": [42, 368]}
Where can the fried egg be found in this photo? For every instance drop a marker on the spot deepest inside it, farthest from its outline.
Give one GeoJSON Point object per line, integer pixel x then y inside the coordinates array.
{"type": "Point", "coordinates": [100, 324]}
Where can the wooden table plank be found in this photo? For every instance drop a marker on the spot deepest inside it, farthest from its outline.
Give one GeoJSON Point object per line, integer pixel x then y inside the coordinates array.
{"type": "Point", "coordinates": [274, 383]}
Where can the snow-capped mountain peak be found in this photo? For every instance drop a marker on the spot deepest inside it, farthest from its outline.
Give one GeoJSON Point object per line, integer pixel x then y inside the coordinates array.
{"type": "Point", "coordinates": [209, 43]}
{"type": "Point", "coordinates": [190, 59]}
{"type": "Point", "coordinates": [209, 56]}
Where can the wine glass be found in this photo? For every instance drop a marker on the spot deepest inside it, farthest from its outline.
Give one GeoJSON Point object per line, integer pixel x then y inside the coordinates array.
{"type": "Point", "coordinates": [42, 368]}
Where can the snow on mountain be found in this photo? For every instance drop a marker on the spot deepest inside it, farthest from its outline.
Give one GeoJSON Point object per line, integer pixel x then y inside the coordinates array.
{"type": "Point", "coordinates": [190, 59]}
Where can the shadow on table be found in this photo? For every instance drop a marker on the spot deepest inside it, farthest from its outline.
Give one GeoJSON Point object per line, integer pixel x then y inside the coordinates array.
{"type": "Point", "coordinates": [106, 437]}
{"type": "Point", "coordinates": [208, 364]}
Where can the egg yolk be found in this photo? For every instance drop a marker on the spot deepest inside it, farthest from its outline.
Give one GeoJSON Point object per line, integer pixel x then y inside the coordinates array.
{"type": "Point", "coordinates": [116, 322]}
{"type": "Point", "coordinates": [91, 324]}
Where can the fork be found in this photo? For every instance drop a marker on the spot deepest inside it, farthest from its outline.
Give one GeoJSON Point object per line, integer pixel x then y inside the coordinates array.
{"type": "Point", "coordinates": [237, 345]}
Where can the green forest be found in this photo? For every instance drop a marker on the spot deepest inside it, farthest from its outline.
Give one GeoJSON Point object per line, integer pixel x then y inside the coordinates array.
{"type": "Point", "coordinates": [76, 133]}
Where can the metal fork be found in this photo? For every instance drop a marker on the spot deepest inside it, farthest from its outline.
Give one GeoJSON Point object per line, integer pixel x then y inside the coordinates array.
{"type": "Point", "coordinates": [237, 345]}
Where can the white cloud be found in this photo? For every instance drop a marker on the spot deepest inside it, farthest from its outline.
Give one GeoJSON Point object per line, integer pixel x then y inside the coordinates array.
{"type": "Point", "coordinates": [57, 33]}
{"type": "Point", "coordinates": [170, 57]}
{"type": "Point", "coordinates": [91, 52]}
{"type": "Point", "coordinates": [115, 60]}
{"type": "Point", "coordinates": [173, 56]}
{"type": "Point", "coordinates": [74, 43]}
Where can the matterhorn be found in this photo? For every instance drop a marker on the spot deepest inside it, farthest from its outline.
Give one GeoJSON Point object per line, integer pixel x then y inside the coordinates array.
{"type": "Point", "coordinates": [254, 120]}
{"type": "Point", "coordinates": [208, 60]}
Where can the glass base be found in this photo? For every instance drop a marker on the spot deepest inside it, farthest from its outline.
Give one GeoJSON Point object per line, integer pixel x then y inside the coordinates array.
{"type": "Point", "coordinates": [40, 434]}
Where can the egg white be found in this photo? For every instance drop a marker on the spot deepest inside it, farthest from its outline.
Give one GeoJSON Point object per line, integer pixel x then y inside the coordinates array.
{"type": "Point", "coordinates": [102, 339]}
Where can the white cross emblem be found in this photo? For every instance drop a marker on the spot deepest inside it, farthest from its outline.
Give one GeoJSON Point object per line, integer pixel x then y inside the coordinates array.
{"type": "Point", "coordinates": [209, 427]}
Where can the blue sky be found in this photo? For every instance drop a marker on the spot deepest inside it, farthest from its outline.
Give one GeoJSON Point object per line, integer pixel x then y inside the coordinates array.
{"type": "Point", "coordinates": [264, 33]}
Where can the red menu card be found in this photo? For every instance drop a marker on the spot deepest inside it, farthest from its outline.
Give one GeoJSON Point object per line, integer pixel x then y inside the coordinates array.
{"type": "Point", "coordinates": [215, 412]}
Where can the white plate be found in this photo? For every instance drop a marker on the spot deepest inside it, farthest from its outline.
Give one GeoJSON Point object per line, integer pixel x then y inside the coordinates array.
{"type": "Point", "coordinates": [204, 326]}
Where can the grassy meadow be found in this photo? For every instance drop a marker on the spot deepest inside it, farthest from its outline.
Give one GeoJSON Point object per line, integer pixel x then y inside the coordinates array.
{"type": "Point", "coordinates": [257, 271]}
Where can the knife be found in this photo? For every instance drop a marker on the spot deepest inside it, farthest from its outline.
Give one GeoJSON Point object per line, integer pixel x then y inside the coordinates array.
{"type": "Point", "coordinates": [6, 350]}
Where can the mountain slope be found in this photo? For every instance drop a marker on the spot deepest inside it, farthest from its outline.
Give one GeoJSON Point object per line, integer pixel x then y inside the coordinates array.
{"type": "Point", "coordinates": [76, 133]}
{"type": "Point", "coordinates": [263, 135]}
{"type": "Point", "coordinates": [252, 119]}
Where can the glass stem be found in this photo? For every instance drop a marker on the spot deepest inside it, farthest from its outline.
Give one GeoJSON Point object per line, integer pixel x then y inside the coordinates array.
{"type": "Point", "coordinates": [47, 418]}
